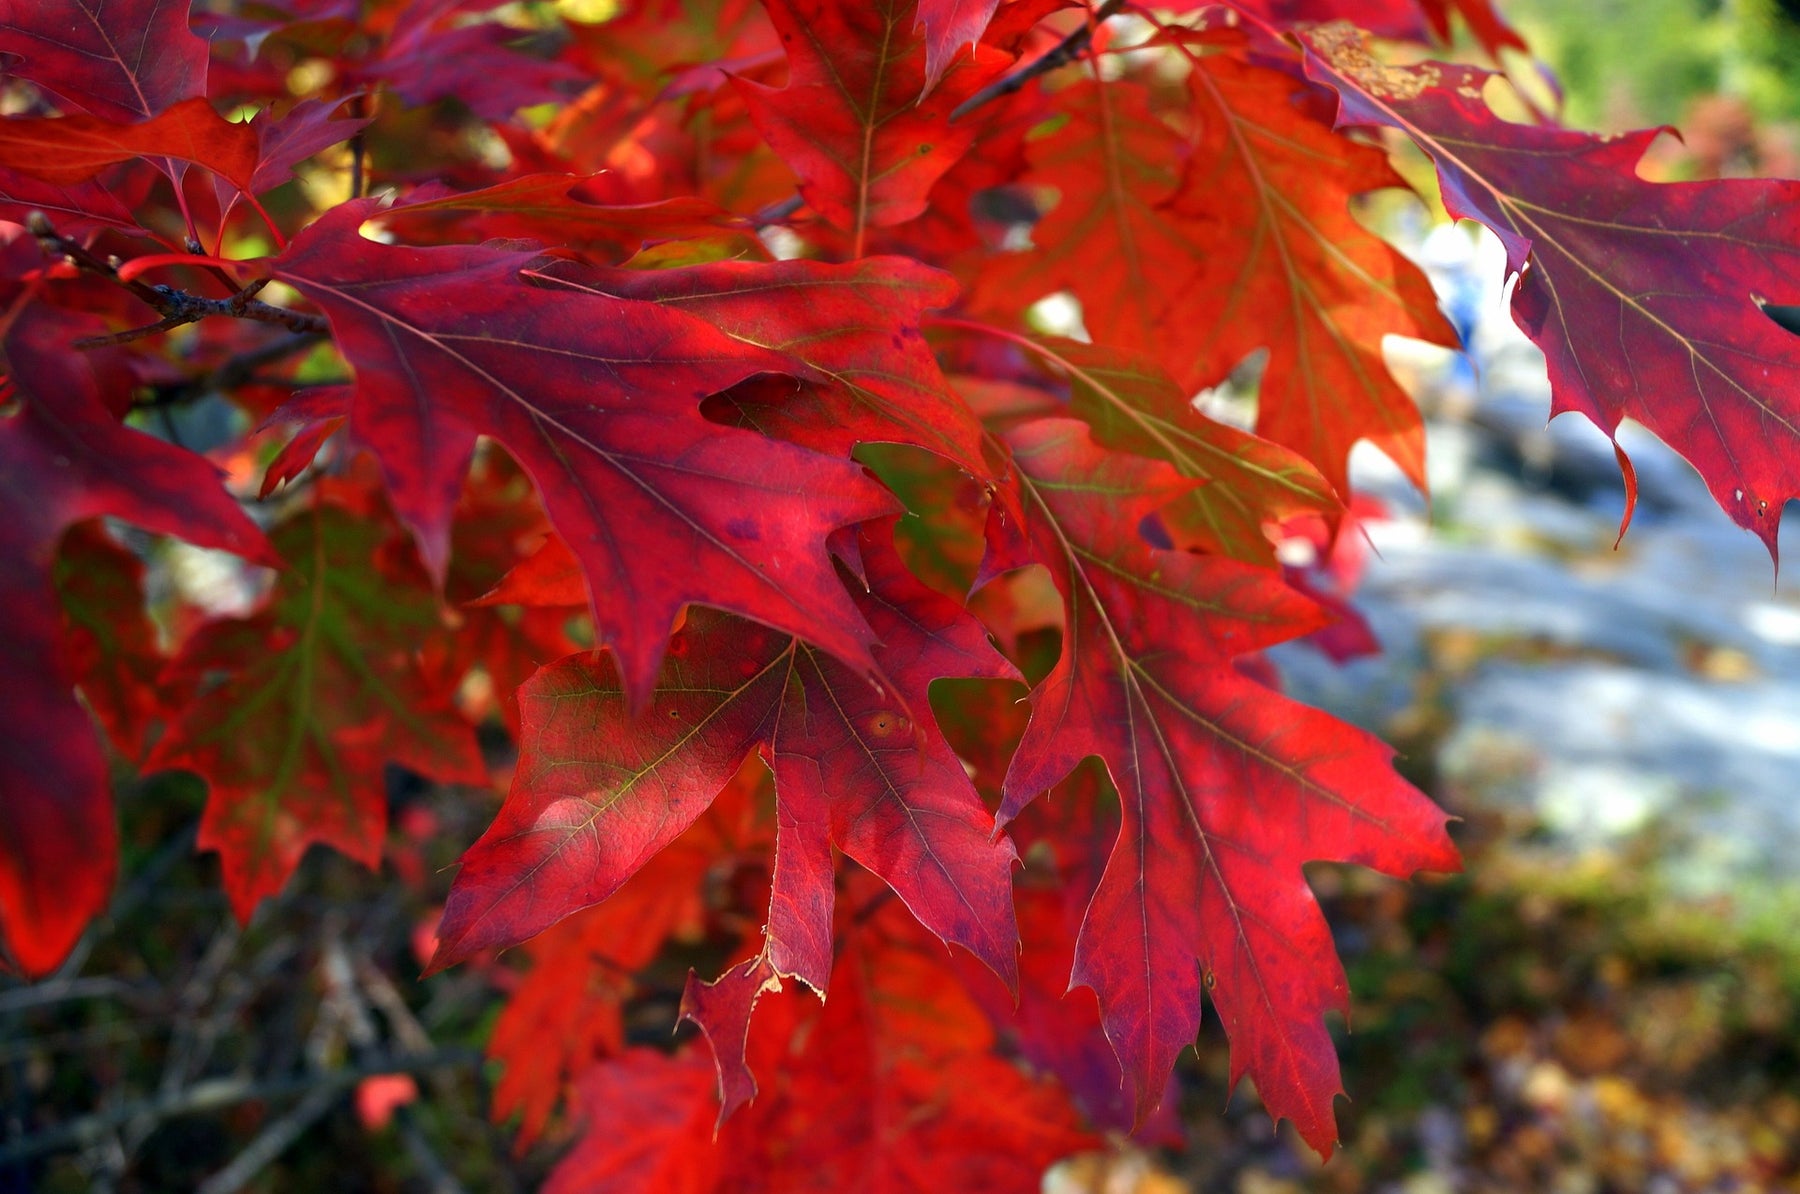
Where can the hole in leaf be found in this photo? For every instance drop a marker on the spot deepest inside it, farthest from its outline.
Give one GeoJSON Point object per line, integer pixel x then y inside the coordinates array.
{"type": "Point", "coordinates": [1785, 317]}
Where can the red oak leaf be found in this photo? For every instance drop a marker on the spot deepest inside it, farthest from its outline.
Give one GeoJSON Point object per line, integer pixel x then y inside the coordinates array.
{"type": "Point", "coordinates": [549, 577]}
{"type": "Point", "coordinates": [565, 1014]}
{"type": "Point", "coordinates": [1114, 238]}
{"type": "Point", "coordinates": [320, 689]}
{"type": "Point", "coordinates": [854, 121]}
{"type": "Point", "coordinates": [1252, 484]}
{"type": "Point", "coordinates": [662, 119]}
{"type": "Point", "coordinates": [598, 791]}
{"type": "Point", "coordinates": [110, 643]}
{"type": "Point", "coordinates": [498, 525]}
{"type": "Point", "coordinates": [1151, 243]}
{"type": "Point", "coordinates": [434, 52]}
{"type": "Point", "coordinates": [1409, 20]}
{"type": "Point", "coordinates": [1400, 19]}
{"type": "Point", "coordinates": [1644, 296]}
{"type": "Point", "coordinates": [648, 1129]}
{"type": "Point", "coordinates": [1226, 788]}
{"type": "Point", "coordinates": [73, 210]}
{"type": "Point", "coordinates": [951, 26]}
{"type": "Point", "coordinates": [552, 208]}
{"type": "Point", "coordinates": [64, 458]}
{"type": "Point", "coordinates": [892, 1085]}
{"type": "Point", "coordinates": [284, 141]}
{"type": "Point", "coordinates": [1298, 274]}
{"type": "Point", "coordinates": [66, 150]}
{"type": "Point", "coordinates": [317, 413]}
{"type": "Point", "coordinates": [851, 331]}
{"type": "Point", "coordinates": [118, 59]}
{"type": "Point", "coordinates": [598, 399]}
{"type": "Point", "coordinates": [1058, 1028]}
{"type": "Point", "coordinates": [1489, 29]}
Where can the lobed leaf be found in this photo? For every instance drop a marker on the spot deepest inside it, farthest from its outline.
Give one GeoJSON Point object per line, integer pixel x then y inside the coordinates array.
{"type": "Point", "coordinates": [308, 700]}
{"type": "Point", "coordinates": [65, 458]}
{"type": "Point", "coordinates": [599, 400]}
{"type": "Point", "coordinates": [600, 788]}
{"type": "Point", "coordinates": [1645, 297]}
{"type": "Point", "coordinates": [855, 120]}
{"type": "Point", "coordinates": [117, 59]}
{"type": "Point", "coordinates": [1226, 788]}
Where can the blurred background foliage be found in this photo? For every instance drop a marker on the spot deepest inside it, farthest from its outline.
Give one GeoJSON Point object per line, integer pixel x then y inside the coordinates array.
{"type": "Point", "coordinates": [1726, 72]}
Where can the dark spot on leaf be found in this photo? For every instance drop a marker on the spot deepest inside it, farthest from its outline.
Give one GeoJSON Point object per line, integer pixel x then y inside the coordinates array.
{"type": "Point", "coordinates": [885, 724]}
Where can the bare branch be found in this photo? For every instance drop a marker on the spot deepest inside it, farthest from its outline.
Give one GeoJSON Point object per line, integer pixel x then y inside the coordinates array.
{"type": "Point", "coordinates": [216, 1093]}
{"type": "Point", "coordinates": [271, 1142]}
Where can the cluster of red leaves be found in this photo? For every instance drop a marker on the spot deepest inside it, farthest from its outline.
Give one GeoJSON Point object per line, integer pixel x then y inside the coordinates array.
{"type": "Point", "coordinates": [703, 336]}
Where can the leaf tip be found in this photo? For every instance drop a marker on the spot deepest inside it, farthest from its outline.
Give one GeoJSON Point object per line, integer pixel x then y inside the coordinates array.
{"type": "Point", "coordinates": [1629, 473]}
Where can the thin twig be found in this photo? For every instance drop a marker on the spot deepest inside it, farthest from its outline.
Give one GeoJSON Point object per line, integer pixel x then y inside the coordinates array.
{"type": "Point", "coordinates": [347, 981]}
{"type": "Point", "coordinates": [125, 337]}
{"type": "Point", "coordinates": [437, 1175]}
{"type": "Point", "coordinates": [177, 307]}
{"type": "Point", "coordinates": [213, 1094]}
{"type": "Point", "coordinates": [1064, 52]}
{"type": "Point", "coordinates": [382, 993]}
{"type": "Point", "coordinates": [358, 147]}
{"type": "Point", "coordinates": [199, 990]}
{"type": "Point", "coordinates": [271, 1142]}
{"type": "Point", "coordinates": [231, 373]}
{"type": "Point", "coordinates": [778, 213]}
{"type": "Point", "coordinates": [55, 244]}
{"type": "Point", "coordinates": [56, 991]}
{"type": "Point", "coordinates": [1059, 54]}
{"type": "Point", "coordinates": [183, 307]}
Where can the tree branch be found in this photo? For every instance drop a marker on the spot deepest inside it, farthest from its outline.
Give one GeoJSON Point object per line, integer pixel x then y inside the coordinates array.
{"type": "Point", "coordinates": [1062, 54]}
{"type": "Point", "coordinates": [216, 1093]}
{"type": "Point", "coordinates": [177, 307]}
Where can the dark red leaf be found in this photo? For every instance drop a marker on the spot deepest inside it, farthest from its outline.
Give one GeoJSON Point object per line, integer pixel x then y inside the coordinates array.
{"type": "Point", "coordinates": [851, 331]}
{"type": "Point", "coordinates": [283, 142]}
{"type": "Point", "coordinates": [566, 1012]}
{"type": "Point", "coordinates": [434, 52]}
{"type": "Point", "coordinates": [1226, 788]}
{"type": "Point", "coordinates": [1644, 296]}
{"type": "Point", "coordinates": [600, 790]}
{"type": "Point", "coordinates": [855, 121]}
{"type": "Point", "coordinates": [599, 400]}
{"type": "Point", "coordinates": [551, 208]}
{"type": "Point", "coordinates": [951, 26]}
{"type": "Point", "coordinates": [1250, 484]}
{"type": "Point", "coordinates": [118, 59]}
{"type": "Point", "coordinates": [111, 646]}
{"type": "Point", "coordinates": [65, 458]}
